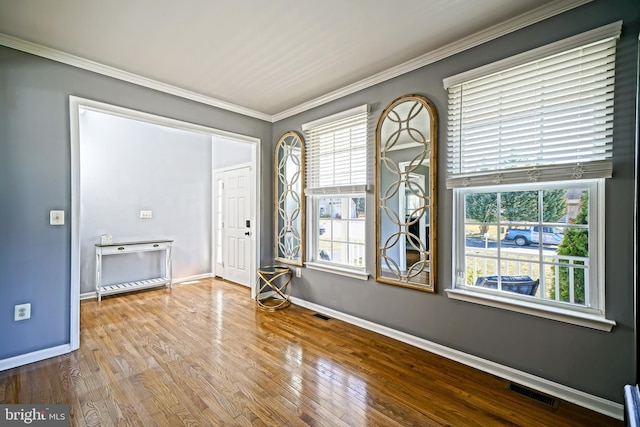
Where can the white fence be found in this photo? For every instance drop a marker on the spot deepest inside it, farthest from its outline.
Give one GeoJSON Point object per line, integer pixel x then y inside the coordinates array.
{"type": "Point", "coordinates": [544, 266]}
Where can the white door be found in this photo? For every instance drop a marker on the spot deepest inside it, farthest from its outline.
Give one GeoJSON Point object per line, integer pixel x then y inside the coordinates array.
{"type": "Point", "coordinates": [237, 229]}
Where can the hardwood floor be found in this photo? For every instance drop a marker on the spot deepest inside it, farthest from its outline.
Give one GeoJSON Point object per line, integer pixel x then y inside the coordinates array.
{"type": "Point", "coordinates": [204, 355]}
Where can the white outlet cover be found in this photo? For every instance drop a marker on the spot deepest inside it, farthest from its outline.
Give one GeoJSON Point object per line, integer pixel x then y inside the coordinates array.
{"type": "Point", "coordinates": [22, 312]}
{"type": "Point", "coordinates": [146, 214]}
{"type": "Point", "coordinates": [56, 217]}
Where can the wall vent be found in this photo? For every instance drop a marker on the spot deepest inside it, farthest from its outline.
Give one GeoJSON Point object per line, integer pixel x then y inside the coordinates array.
{"type": "Point", "coordinates": [532, 394]}
{"type": "Point", "coordinates": [321, 316]}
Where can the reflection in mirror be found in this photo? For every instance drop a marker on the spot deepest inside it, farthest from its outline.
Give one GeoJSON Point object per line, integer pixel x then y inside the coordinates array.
{"type": "Point", "coordinates": [406, 193]}
{"type": "Point", "coordinates": [289, 200]}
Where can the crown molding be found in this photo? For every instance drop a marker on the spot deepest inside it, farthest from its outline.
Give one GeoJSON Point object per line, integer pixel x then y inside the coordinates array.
{"type": "Point", "coordinates": [106, 70]}
{"type": "Point", "coordinates": [536, 15]}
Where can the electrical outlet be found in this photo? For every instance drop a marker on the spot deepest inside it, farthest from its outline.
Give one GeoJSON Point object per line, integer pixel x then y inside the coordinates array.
{"type": "Point", "coordinates": [146, 214]}
{"type": "Point", "coordinates": [298, 272]}
{"type": "Point", "coordinates": [22, 312]}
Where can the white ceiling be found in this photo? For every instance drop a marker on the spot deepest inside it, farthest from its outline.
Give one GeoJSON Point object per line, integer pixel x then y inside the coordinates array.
{"type": "Point", "coordinates": [266, 58]}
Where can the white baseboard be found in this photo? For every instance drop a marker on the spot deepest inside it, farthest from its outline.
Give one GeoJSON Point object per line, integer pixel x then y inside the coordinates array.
{"type": "Point", "coordinates": [35, 356]}
{"type": "Point", "coordinates": [88, 295]}
{"type": "Point", "coordinates": [595, 403]}
{"type": "Point", "coordinates": [179, 281]}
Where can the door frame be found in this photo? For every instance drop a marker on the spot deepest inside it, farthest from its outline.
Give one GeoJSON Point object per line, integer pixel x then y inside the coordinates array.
{"type": "Point", "coordinates": [253, 218]}
{"type": "Point", "coordinates": [75, 105]}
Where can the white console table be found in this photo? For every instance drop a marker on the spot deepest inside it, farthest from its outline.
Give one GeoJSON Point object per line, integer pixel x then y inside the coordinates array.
{"type": "Point", "coordinates": [127, 248]}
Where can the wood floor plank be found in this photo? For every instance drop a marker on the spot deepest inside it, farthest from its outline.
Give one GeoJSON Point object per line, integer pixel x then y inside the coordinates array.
{"type": "Point", "coordinates": [204, 355]}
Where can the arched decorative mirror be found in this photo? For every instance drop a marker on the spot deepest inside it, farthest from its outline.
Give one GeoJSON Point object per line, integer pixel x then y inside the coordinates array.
{"type": "Point", "coordinates": [289, 200]}
{"type": "Point", "coordinates": [406, 193]}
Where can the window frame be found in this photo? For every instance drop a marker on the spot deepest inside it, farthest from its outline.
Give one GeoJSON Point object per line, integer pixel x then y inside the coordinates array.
{"type": "Point", "coordinates": [593, 317]}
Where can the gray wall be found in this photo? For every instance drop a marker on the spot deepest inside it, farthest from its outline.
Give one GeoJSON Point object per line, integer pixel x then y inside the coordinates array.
{"type": "Point", "coordinates": [596, 362]}
{"type": "Point", "coordinates": [127, 166]}
{"type": "Point", "coordinates": [35, 177]}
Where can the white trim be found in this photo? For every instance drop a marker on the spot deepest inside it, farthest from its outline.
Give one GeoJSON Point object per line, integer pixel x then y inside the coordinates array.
{"type": "Point", "coordinates": [88, 295]}
{"type": "Point", "coordinates": [354, 274]}
{"type": "Point", "coordinates": [74, 287]}
{"type": "Point", "coordinates": [256, 159]}
{"type": "Point", "coordinates": [597, 243]}
{"type": "Point", "coordinates": [589, 401]}
{"type": "Point", "coordinates": [216, 176]}
{"type": "Point", "coordinates": [181, 280]}
{"type": "Point", "coordinates": [362, 109]}
{"type": "Point", "coordinates": [612, 30]}
{"type": "Point", "coordinates": [128, 113]}
{"type": "Point", "coordinates": [526, 19]}
{"type": "Point", "coordinates": [548, 312]}
{"type": "Point", "coordinates": [105, 70]}
{"type": "Point", "coordinates": [34, 356]}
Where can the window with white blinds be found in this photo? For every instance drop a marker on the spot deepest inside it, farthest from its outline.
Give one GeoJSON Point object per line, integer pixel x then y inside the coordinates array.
{"type": "Point", "coordinates": [545, 115]}
{"type": "Point", "coordinates": [336, 183]}
{"type": "Point", "coordinates": [336, 152]}
{"type": "Point", "coordinates": [529, 147]}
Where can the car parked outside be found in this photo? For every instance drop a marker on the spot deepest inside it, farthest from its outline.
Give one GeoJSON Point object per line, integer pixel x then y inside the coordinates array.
{"type": "Point", "coordinates": [524, 236]}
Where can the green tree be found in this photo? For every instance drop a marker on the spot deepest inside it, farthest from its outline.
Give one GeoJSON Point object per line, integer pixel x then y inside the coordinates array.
{"type": "Point", "coordinates": [482, 207]}
{"type": "Point", "coordinates": [516, 206]}
{"type": "Point", "coordinates": [523, 205]}
{"type": "Point", "coordinates": [574, 243]}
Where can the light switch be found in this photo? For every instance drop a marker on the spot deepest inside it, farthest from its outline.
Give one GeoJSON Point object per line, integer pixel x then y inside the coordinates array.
{"type": "Point", "coordinates": [146, 214]}
{"type": "Point", "coordinates": [56, 217]}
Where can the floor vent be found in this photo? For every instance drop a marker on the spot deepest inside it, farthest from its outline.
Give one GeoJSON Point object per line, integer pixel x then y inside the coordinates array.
{"type": "Point", "coordinates": [321, 316]}
{"type": "Point", "coordinates": [543, 398]}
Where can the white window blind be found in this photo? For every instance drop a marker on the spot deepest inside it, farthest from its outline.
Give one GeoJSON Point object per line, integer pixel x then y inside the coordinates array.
{"type": "Point", "coordinates": [336, 153]}
{"type": "Point", "coordinates": [544, 115]}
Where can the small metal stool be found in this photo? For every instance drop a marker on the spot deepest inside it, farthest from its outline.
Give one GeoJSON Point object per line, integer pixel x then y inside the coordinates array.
{"type": "Point", "coordinates": [282, 288]}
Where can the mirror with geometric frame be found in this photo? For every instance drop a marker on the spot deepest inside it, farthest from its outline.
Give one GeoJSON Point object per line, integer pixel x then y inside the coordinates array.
{"type": "Point", "coordinates": [405, 169]}
{"type": "Point", "coordinates": [289, 203]}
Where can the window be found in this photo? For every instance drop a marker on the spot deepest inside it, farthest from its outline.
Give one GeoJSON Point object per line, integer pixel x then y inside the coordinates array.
{"type": "Point", "coordinates": [505, 251]}
{"type": "Point", "coordinates": [530, 141]}
{"type": "Point", "coordinates": [336, 179]}
{"type": "Point", "coordinates": [341, 230]}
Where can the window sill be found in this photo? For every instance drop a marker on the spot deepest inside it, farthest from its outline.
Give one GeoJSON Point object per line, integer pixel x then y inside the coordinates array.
{"type": "Point", "coordinates": [555, 313]}
{"type": "Point", "coordinates": [355, 274]}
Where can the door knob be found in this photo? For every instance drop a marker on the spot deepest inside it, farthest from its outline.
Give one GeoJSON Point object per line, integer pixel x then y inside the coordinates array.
{"type": "Point", "coordinates": [247, 233]}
